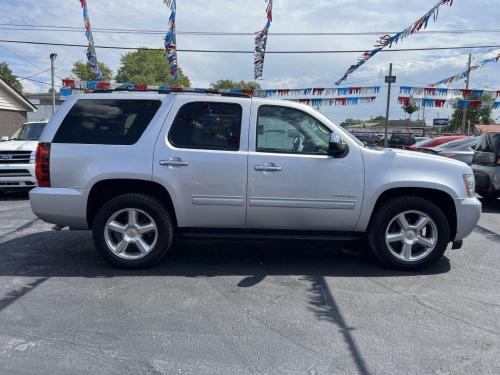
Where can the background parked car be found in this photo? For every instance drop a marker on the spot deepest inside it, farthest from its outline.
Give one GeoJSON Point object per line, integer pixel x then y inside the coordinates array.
{"type": "Point", "coordinates": [400, 140]}
{"type": "Point", "coordinates": [371, 140]}
{"type": "Point", "coordinates": [17, 156]}
{"type": "Point", "coordinates": [486, 165]}
{"type": "Point", "coordinates": [461, 149]}
{"type": "Point", "coordinates": [433, 142]}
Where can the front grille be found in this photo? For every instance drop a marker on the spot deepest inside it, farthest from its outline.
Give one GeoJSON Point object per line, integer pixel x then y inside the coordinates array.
{"type": "Point", "coordinates": [14, 173]}
{"type": "Point", "coordinates": [15, 157]}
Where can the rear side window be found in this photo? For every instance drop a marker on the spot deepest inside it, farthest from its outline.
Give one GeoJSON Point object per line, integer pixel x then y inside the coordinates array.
{"type": "Point", "coordinates": [110, 121]}
{"type": "Point", "coordinates": [207, 125]}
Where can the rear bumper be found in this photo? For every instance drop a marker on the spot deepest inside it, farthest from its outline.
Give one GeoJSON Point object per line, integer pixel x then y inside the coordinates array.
{"type": "Point", "coordinates": [468, 214]}
{"type": "Point", "coordinates": [17, 177]}
{"type": "Point", "coordinates": [65, 207]}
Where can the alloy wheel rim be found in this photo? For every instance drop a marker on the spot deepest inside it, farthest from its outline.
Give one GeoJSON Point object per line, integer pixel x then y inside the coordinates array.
{"type": "Point", "coordinates": [411, 236]}
{"type": "Point", "coordinates": [131, 233]}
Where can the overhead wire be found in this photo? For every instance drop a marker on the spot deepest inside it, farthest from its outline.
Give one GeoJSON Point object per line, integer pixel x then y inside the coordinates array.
{"type": "Point", "coordinates": [248, 51]}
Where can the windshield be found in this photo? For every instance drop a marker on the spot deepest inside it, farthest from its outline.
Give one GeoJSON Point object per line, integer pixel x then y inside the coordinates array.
{"type": "Point", "coordinates": [29, 132]}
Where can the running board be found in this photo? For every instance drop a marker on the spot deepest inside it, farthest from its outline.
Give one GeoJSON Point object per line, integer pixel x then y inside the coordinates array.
{"type": "Point", "coordinates": [271, 234]}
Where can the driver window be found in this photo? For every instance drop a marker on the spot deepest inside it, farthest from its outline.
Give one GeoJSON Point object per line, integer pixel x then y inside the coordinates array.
{"type": "Point", "coordinates": [288, 130]}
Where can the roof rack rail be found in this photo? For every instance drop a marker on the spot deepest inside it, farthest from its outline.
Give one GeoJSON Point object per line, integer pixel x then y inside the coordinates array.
{"type": "Point", "coordinates": [172, 91]}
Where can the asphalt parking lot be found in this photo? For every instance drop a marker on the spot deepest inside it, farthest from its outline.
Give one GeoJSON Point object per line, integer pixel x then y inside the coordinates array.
{"type": "Point", "coordinates": [243, 307]}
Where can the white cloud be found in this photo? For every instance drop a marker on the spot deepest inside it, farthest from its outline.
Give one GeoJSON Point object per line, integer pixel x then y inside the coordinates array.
{"type": "Point", "coordinates": [249, 16]}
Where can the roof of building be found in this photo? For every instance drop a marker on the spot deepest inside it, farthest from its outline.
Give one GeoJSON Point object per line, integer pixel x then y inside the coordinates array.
{"type": "Point", "coordinates": [13, 100]}
{"type": "Point", "coordinates": [488, 128]}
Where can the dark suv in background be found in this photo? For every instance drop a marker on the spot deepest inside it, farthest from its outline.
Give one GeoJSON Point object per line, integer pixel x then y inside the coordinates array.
{"type": "Point", "coordinates": [486, 165]}
{"type": "Point", "coordinates": [399, 140]}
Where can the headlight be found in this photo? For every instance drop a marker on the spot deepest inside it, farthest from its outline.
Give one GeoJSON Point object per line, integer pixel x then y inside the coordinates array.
{"type": "Point", "coordinates": [470, 185]}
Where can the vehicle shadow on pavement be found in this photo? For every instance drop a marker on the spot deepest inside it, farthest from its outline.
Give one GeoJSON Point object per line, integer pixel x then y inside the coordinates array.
{"type": "Point", "coordinates": [40, 256]}
{"type": "Point", "coordinates": [72, 254]}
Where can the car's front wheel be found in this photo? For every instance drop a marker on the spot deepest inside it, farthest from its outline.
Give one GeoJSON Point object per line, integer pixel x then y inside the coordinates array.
{"type": "Point", "coordinates": [409, 233]}
{"type": "Point", "coordinates": [133, 231]}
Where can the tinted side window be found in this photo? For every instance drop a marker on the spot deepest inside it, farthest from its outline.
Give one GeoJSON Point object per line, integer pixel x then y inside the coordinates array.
{"type": "Point", "coordinates": [288, 130]}
{"type": "Point", "coordinates": [109, 121]}
{"type": "Point", "coordinates": [207, 125]}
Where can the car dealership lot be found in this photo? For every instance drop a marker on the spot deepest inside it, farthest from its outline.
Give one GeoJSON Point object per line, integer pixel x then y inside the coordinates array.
{"type": "Point", "coordinates": [242, 307]}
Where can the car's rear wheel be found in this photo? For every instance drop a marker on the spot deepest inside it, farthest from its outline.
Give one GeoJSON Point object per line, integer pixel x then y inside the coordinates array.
{"type": "Point", "coordinates": [133, 231]}
{"type": "Point", "coordinates": [409, 233]}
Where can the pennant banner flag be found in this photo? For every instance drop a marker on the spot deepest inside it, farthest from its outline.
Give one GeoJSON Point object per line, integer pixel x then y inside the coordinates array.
{"type": "Point", "coordinates": [388, 40]}
{"type": "Point", "coordinates": [261, 42]}
{"type": "Point", "coordinates": [91, 55]}
{"type": "Point", "coordinates": [171, 40]}
{"type": "Point", "coordinates": [463, 75]}
{"type": "Point", "coordinates": [439, 103]}
{"type": "Point", "coordinates": [267, 93]}
{"type": "Point", "coordinates": [433, 91]}
{"type": "Point", "coordinates": [336, 101]}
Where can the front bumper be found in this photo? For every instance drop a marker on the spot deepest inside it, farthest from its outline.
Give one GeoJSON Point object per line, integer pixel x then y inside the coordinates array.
{"type": "Point", "coordinates": [17, 176]}
{"type": "Point", "coordinates": [65, 207]}
{"type": "Point", "coordinates": [487, 178]}
{"type": "Point", "coordinates": [468, 214]}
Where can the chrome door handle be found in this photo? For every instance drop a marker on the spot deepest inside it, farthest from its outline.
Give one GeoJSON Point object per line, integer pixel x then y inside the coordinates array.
{"type": "Point", "coordinates": [268, 167]}
{"type": "Point", "coordinates": [174, 162]}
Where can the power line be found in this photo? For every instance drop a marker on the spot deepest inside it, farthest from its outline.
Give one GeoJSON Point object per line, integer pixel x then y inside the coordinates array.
{"type": "Point", "coordinates": [56, 28]}
{"type": "Point", "coordinates": [248, 52]}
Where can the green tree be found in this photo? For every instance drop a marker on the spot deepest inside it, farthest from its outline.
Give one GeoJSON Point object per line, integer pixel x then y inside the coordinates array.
{"type": "Point", "coordinates": [148, 67]}
{"type": "Point", "coordinates": [84, 72]}
{"type": "Point", "coordinates": [228, 84]}
{"type": "Point", "coordinates": [11, 79]}
{"type": "Point", "coordinates": [475, 116]}
{"type": "Point", "coordinates": [410, 108]}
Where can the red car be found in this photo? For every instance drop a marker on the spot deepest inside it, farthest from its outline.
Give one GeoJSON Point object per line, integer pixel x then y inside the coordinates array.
{"type": "Point", "coordinates": [433, 142]}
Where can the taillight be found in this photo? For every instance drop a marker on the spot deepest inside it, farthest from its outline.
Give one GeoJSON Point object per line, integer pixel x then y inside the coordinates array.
{"type": "Point", "coordinates": [42, 164]}
{"type": "Point", "coordinates": [498, 161]}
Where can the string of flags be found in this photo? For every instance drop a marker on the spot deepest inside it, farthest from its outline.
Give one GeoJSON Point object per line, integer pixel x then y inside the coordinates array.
{"type": "Point", "coordinates": [434, 91]}
{"type": "Point", "coordinates": [388, 40]}
{"type": "Point", "coordinates": [91, 54]}
{"type": "Point", "coordinates": [463, 75]}
{"type": "Point", "coordinates": [261, 42]}
{"type": "Point", "coordinates": [440, 103]}
{"type": "Point", "coordinates": [70, 84]}
{"type": "Point", "coordinates": [317, 102]}
{"type": "Point", "coordinates": [171, 40]}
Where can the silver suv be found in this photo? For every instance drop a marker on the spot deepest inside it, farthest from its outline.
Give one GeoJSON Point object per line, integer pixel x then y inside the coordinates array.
{"type": "Point", "coordinates": [138, 167]}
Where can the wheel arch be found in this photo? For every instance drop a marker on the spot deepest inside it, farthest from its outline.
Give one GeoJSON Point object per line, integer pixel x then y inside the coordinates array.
{"type": "Point", "coordinates": [105, 190]}
{"type": "Point", "coordinates": [439, 197]}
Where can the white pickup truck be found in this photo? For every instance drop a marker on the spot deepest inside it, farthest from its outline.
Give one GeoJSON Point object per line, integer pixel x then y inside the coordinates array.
{"type": "Point", "coordinates": [17, 158]}
{"type": "Point", "coordinates": [139, 167]}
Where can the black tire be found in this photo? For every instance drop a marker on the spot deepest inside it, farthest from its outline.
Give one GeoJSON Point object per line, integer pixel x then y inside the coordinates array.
{"type": "Point", "coordinates": [382, 219]}
{"type": "Point", "coordinates": [147, 204]}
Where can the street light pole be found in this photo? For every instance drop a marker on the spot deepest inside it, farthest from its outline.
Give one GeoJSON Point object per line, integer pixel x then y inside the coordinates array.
{"type": "Point", "coordinates": [390, 79]}
{"type": "Point", "coordinates": [53, 57]}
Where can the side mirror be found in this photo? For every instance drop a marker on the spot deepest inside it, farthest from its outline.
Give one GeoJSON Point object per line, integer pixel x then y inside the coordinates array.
{"type": "Point", "coordinates": [5, 138]}
{"type": "Point", "coordinates": [337, 147]}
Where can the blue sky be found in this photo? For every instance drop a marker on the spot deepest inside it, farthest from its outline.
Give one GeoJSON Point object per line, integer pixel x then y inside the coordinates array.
{"type": "Point", "coordinates": [412, 68]}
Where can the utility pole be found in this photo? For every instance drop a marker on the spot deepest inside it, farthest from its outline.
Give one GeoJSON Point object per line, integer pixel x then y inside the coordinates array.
{"type": "Point", "coordinates": [390, 79]}
{"type": "Point", "coordinates": [467, 82]}
{"type": "Point", "coordinates": [53, 57]}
